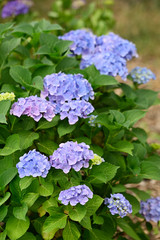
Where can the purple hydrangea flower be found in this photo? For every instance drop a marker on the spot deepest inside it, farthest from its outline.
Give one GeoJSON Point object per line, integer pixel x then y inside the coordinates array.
{"type": "Point", "coordinates": [71, 155]}
{"type": "Point", "coordinates": [75, 109]}
{"type": "Point", "coordinates": [118, 45]}
{"type": "Point", "coordinates": [118, 204]}
{"type": "Point", "coordinates": [33, 164]}
{"type": "Point", "coordinates": [15, 7]}
{"type": "Point", "coordinates": [74, 195]}
{"type": "Point", "coordinates": [108, 63]}
{"type": "Point", "coordinates": [142, 75]}
{"type": "Point", "coordinates": [83, 41]}
{"type": "Point", "coordinates": [34, 107]}
{"type": "Point", "coordinates": [150, 209]}
{"type": "Point", "coordinates": [61, 87]}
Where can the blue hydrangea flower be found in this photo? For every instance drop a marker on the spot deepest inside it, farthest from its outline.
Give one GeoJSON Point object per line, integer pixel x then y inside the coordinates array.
{"type": "Point", "coordinates": [108, 63]}
{"type": "Point", "coordinates": [74, 195]}
{"type": "Point", "coordinates": [150, 209]}
{"type": "Point", "coordinates": [15, 7]}
{"type": "Point", "coordinates": [34, 107]}
{"type": "Point", "coordinates": [33, 164]}
{"type": "Point", "coordinates": [142, 75]}
{"type": "Point", "coordinates": [118, 204]}
{"type": "Point", "coordinates": [71, 155]}
{"type": "Point", "coordinates": [83, 41]}
{"type": "Point", "coordinates": [75, 109]}
{"type": "Point", "coordinates": [61, 88]}
{"type": "Point", "coordinates": [122, 47]}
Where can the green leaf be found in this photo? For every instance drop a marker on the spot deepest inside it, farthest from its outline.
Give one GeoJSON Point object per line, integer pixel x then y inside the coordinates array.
{"type": "Point", "coordinates": [64, 128]}
{"type": "Point", "coordinates": [102, 173]}
{"type": "Point", "coordinates": [21, 75]}
{"type": "Point", "coordinates": [71, 232]}
{"type": "Point", "coordinates": [25, 182]}
{"type": "Point", "coordinates": [132, 116]}
{"type": "Point", "coordinates": [140, 134]}
{"type": "Point", "coordinates": [8, 46]}
{"type": "Point", "coordinates": [86, 223]}
{"type": "Point", "coordinates": [45, 26]}
{"type": "Point", "coordinates": [30, 198]}
{"type": "Point", "coordinates": [66, 64]}
{"type": "Point", "coordinates": [145, 98]}
{"type": "Point", "coordinates": [134, 164]}
{"type": "Point", "coordinates": [62, 46]}
{"type": "Point", "coordinates": [98, 219]}
{"type": "Point", "coordinates": [20, 212]}
{"type": "Point", "coordinates": [28, 236]}
{"type": "Point", "coordinates": [141, 195]}
{"type": "Point", "coordinates": [93, 204]}
{"type": "Point", "coordinates": [118, 188]}
{"type": "Point", "coordinates": [23, 28]}
{"type": "Point", "coordinates": [27, 138]}
{"type": "Point", "coordinates": [47, 146]}
{"type": "Point", "coordinates": [104, 80]}
{"type": "Point", "coordinates": [127, 228]}
{"type": "Point", "coordinates": [3, 235]}
{"type": "Point", "coordinates": [4, 107]}
{"type": "Point", "coordinates": [12, 145]}
{"type": "Point", "coordinates": [7, 176]}
{"type": "Point", "coordinates": [58, 221]}
{"type": "Point", "coordinates": [150, 170]}
{"type": "Point", "coordinates": [121, 146]}
{"type": "Point", "coordinates": [44, 124]}
{"type": "Point", "coordinates": [16, 227]}
{"type": "Point", "coordinates": [4, 27]}
{"type": "Point", "coordinates": [5, 198]}
{"type": "Point", "coordinates": [118, 116]}
{"type": "Point", "coordinates": [37, 82]}
{"type": "Point", "coordinates": [46, 189]}
{"type": "Point", "coordinates": [95, 234]}
{"type": "Point", "coordinates": [3, 212]}
{"type": "Point", "coordinates": [77, 213]}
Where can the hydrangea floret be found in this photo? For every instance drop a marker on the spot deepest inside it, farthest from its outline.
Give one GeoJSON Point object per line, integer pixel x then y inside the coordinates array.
{"type": "Point", "coordinates": [71, 155]}
{"type": "Point", "coordinates": [34, 107]}
{"type": "Point", "coordinates": [150, 209]}
{"type": "Point", "coordinates": [92, 121]}
{"type": "Point", "coordinates": [15, 7]}
{"type": "Point", "coordinates": [75, 109]}
{"type": "Point", "coordinates": [83, 41]}
{"type": "Point", "coordinates": [97, 160]}
{"type": "Point", "coordinates": [33, 164]}
{"type": "Point", "coordinates": [7, 96]}
{"type": "Point", "coordinates": [118, 204]}
{"type": "Point", "coordinates": [69, 93]}
{"type": "Point", "coordinates": [142, 75]}
{"type": "Point", "coordinates": [74, 195]}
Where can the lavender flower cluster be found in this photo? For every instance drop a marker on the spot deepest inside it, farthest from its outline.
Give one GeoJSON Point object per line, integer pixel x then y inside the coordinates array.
{"type": "Point", "coordinates": [74, 195]}
{"type": "Point", "coordinates": [34, 107]}
{"type": "Point", "coordinates": [83, 41]}
{"type": "Point", "coordinates": [69, 94]}
{"type": "Point", "coordinates": [118, 204]}
{"type": "Point", "coordinates": [109, 53]}
{"type": "Point", "coordinates": [150, 209]}
{"type": "Point", "coordinates": [142, 75]}
{"type": "Point", "coordinates": [33, 164]}
{"type": "Point", "coordinates": [15, 7]}
{"type": "Point", "coordinates": [71, 155]}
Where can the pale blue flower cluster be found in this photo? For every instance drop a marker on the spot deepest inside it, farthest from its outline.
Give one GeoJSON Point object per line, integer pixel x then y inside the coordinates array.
{"type": "Point", "coordinates": [118, 204]}
{"type": "Point", "coordinates": [109, 53]}
{"type": "Point", "coordinates": [34, 107]}
{"type": "Point", "coordinates": [122, 47]}
{"type": "Point", "coordinates": [74, 195]}
{"type": "Point", "coordinates": [15, 7]}
{"type": "Point", "coordinates": [71, 155]}
{"type": "Point", "coordinates": [142, 75]}
{"type": "Point", "coordinates": [150, 209]}
{"type": "Point", "coordinates": [83, 41]}
{"type": "Point", "coordinates": [69, 93]}
{"type": "Point", "coordinates": [33, 164]}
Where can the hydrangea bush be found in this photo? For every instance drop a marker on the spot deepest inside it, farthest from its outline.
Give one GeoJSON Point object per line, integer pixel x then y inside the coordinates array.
{"type": "Point", "coordinates": [69, 146]}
